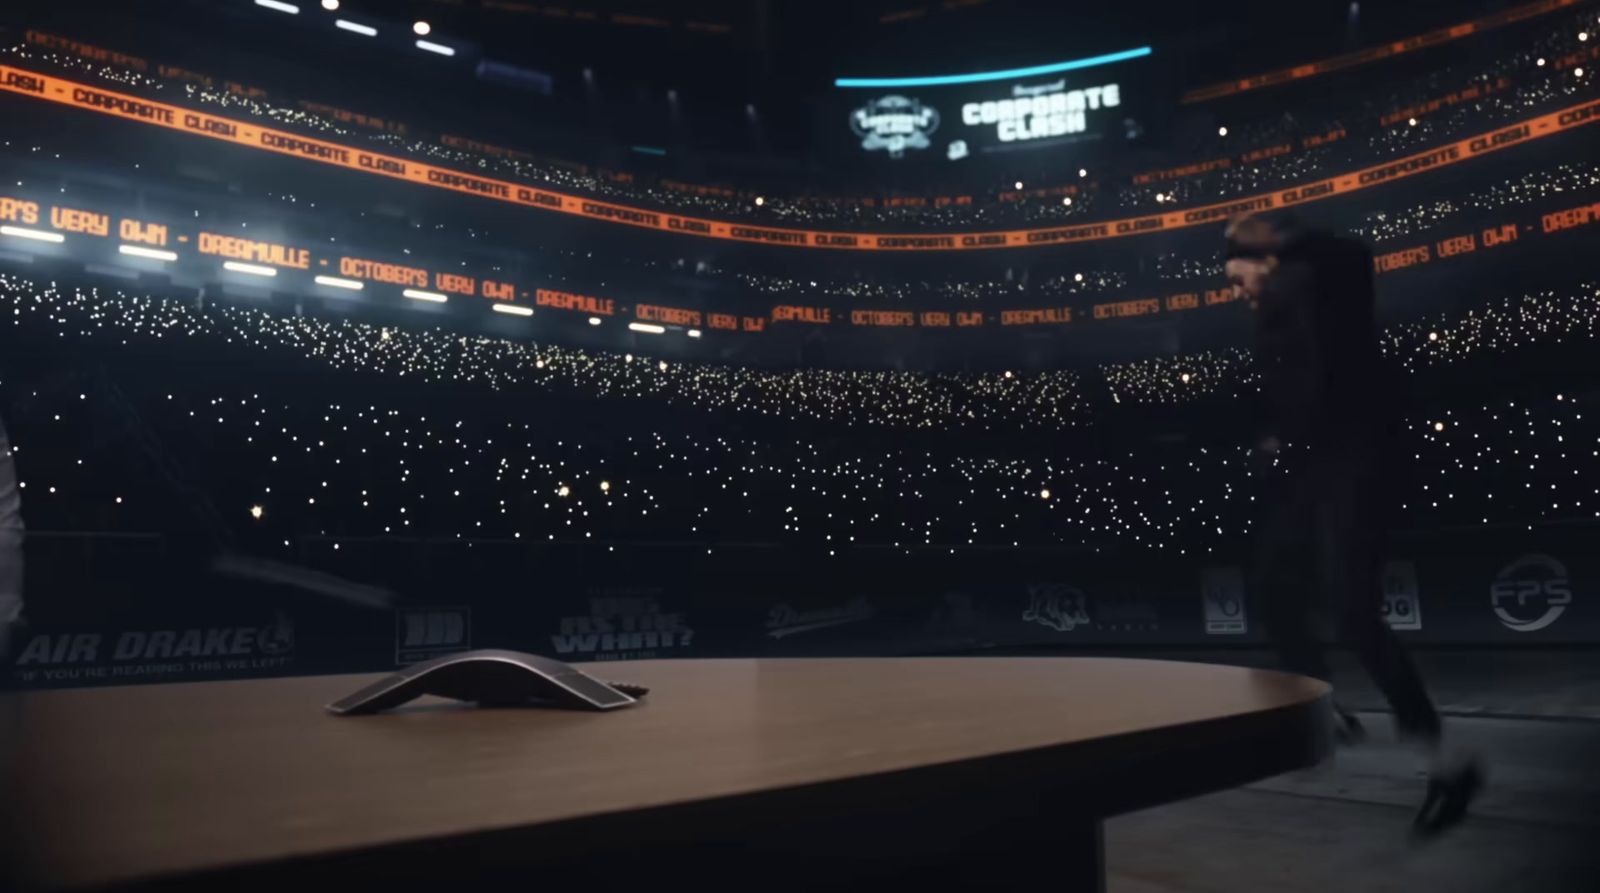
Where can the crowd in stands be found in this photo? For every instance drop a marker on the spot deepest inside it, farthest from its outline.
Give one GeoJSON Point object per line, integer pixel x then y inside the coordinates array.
{"type": "Point", "coordinates": [427, 435]}
{"type": "Point", "coordinates": [1516, 85]}
{"type": "Point", "coordinates": [1007, 400]}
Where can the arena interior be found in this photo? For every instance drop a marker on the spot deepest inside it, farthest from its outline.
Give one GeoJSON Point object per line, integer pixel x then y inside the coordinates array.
{"type": "Point", "coordinates": [336, 337]}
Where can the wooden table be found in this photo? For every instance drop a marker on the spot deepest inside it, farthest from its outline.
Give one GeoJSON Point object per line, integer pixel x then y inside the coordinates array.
{"type": "Point", "coordinates": [754, 774]}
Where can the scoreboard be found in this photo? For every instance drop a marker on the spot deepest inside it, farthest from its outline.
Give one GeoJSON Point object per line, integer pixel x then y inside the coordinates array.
{"type": "Point", "coordinates": [953, 117]}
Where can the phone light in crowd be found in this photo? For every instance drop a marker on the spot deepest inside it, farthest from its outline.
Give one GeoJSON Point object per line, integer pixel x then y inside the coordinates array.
{"type": "Point", "coordinates": [1582, 36]}
{"type": "Point", "coordinates": [1083, 172]}
{"type": "Point", "coordinates": [417, 294]}
{"type": "Point", "coordinates": [289, 8]}
{"type": "Point", "coordinates": [1540, 63]}
{"type": "Point", "coordinates": [760, 201]}
{"type": "Point", "coordinates": [1577, 72]}
{"type": "Point", "coordinates": [422, 29]}
{"type": "Point", "coordinates": [1018, 184]}
{"type": "Point", "coordinates": [650, 327]}
{"type": "Point", "coordinates": [594, 320]}
{"type": "Point", "coordinates": [1222, 131]}
{"type": "Point", "coordinates": [357, 27]}
{"type": "Point", "coordinates": [1044, 494]}
{"type": "Point", "coordinates": [256, 512]}
{"type": "Point", "coordinates": [1066, 201]}
{"type": "Point", "coordinates": [513, 309]}
{"type": "Point", "coordinates": [38, 235]}
{"type": "Point", "coordinates": [152, 253]}
{"type": "Point", "coordinates": [340, 282]}
{"type": "Point", "coordinates": [252, 269]}
{"type": "Point", "coordinates": [1411, 122]}
{"type": "Point", "coordinates": [439, 48]}
{"type": "Point", "coordinates": [330, 5]}
{"type": "Point", "coordinates": [694, 333]}
{"type": "Point", "coordinates": [1077, 277]}
{"type": "Point", "coordinates": [1438, 426]}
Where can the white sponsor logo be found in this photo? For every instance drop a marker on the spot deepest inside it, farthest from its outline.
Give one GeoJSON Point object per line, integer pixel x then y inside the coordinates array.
{"type": "Point", "coordinates": [1222, 600]}
{"type": "Point", "coordinates": [894, 123]}
{"type": "Point", "coordinates": [1057, 606]}
{"type": "Point", "coordinates": [425, 633]}
{"type": "Point", "coordinates": [622, 627]}
{"type": "Point", "coordinates": [783, 620]}
{"type": "Point", "coordinates": [1530, 593]}
{"type": "Point", "coordinates": [1402, 608]}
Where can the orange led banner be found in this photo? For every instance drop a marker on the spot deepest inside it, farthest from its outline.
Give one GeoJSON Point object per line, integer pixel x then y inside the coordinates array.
{"type": "Point", "coordinates": [235, 248]}
{"type": "Point", "coordinates": [85, 50]}
{"type": "Point", "coordinates": [1459, 97]}
{"type": "Point", "coordinates": [562, 300]}
{"type": "Point", "coordinates": [1381, 51]}
{"type": "Point", "coordinates": [58, 90]}
{"type": "Point", "coordinates": [1188, 170]}
{"type": "Point", "coordinates": [83, 228]}
{"type": "Point", "coordinates": [679, 316]}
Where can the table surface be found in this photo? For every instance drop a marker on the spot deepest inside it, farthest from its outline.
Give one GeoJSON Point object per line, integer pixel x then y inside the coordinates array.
{"type": "Point", "coordinates": [115, 784]}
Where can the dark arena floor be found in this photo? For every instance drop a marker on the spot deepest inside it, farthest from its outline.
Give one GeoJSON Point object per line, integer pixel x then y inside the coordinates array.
{"type": "Point", "coordinates": [775, 446]}
{"type": "Point", "coordinates": [1340, 826]}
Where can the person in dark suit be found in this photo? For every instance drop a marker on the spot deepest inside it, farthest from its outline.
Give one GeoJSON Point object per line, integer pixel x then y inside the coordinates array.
{"type": "Point", "coordinates": [1332, 424]}
{"type": "Point", "coordinates": [10, 547]}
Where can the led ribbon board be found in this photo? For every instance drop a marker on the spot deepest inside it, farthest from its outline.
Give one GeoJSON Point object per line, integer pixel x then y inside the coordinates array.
{"type": "Point", "coordinates": [132, 108]}
{"type": "Point", "coordinates": [1381, 51]}
{"type": "Point", "coordinates": [191, 253]}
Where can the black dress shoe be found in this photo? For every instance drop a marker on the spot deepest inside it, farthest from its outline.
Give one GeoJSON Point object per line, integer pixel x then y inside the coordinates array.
{"type": "Point", "coordinates": [1449, 793]}
{"type": "Point", "coordinates": [1348, 728]}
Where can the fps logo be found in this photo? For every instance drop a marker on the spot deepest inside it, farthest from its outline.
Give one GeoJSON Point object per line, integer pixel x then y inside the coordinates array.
{"type": "Point", "coordinates": [895, 123]}
{"type": "Point", "coordinates": [1530, 593]}
{"type": "Point", "coordinates": [1058, 606]}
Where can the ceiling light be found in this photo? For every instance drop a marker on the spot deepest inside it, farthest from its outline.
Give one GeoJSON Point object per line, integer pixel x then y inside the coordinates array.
{"type": "Point", "coordinates": [152, 253]}
{"type": "Point", "coordinates": [252, 269]}
{"type": "Point", "coordinates": [38, 235]}
{"type": "Point", "coordinates": [338, 282]}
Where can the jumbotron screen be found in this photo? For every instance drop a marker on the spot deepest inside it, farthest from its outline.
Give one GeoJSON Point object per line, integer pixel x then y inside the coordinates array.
{"type": "Point", "coordinates": [954, 117]}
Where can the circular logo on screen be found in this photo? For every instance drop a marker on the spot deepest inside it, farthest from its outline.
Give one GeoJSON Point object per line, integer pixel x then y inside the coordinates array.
{"type": "Point", "coordinates": [1530, 593]}
{"type": "Point", "coordinates": [894, 124]}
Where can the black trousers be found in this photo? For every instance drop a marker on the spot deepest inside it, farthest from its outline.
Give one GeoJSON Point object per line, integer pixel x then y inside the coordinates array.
{"type": "Point", "coordinates": [1318, 553]}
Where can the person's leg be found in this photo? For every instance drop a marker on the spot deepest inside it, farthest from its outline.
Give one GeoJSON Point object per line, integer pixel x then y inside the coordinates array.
{"type": "Point", "coordinates": [1281, 581]}
{"type": "Point", "coordinates": [10, 547]}
{"type": "Point", "coordinates": [1349, 538]}
{"type": "Point", "coordinates": [1349, 561]}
